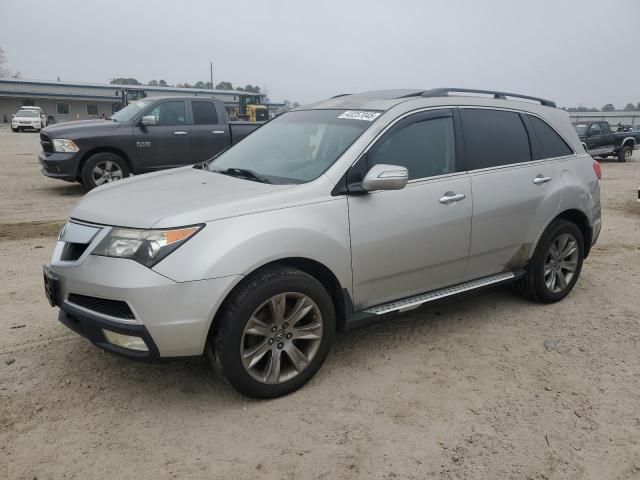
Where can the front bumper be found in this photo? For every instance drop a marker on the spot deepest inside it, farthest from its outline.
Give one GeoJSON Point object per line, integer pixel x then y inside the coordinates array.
{"type": "Point", "coordinates": [92, 327]}
{"type": "Point", "coordinates": [63, 166]}
{"type": "Point", "coordinates": [176, 316]}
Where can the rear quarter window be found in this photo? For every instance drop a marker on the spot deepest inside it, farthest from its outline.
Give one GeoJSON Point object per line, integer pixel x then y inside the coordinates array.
{"type": "Point", "coordinates": [551, 144]}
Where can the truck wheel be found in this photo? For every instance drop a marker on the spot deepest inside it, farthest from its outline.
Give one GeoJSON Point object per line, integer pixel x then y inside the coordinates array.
{"type": "Point", "coordinates": [625, 154]}
{"type": "Point", "coordinates": [274, 334]}
{"type": "Point", "coordinates": [14, 129]}
{"type": "Point", "coordinates": [556, 263]}
{"type": "Point", "coordinates": [103, 168]}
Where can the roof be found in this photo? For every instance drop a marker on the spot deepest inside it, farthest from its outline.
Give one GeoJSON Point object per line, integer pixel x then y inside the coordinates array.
{"type": "Point", "coordinates": [112, 86]}
{"type": "Point", "coordinates": [386, 99]}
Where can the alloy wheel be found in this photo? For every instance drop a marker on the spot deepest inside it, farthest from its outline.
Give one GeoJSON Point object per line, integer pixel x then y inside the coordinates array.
{"type": "Point", "coordinates": [105, 172]}
{"type": "Point", "coordinates": [281, 338]}
{"type": "Point", "coordinates": [561, 263]}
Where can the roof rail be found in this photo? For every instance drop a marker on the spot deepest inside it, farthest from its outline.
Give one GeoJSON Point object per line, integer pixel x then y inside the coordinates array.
{"type": "Point", "coordinates": [444, 92]}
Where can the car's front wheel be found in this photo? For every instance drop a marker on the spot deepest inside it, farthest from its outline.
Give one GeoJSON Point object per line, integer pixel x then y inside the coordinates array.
{"type": "Point", "coordinates": [103, 167]}
{"type": "Point", "coordinates": [556, 263]}
{"type": "Point", "coordinates": [274, 332]}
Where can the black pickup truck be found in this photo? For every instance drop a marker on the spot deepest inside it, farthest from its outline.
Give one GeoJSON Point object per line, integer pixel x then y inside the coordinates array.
{"type": "Point", "coordinates": [599, 141]}
{"type": "Point", "coordinates": [149, 135]}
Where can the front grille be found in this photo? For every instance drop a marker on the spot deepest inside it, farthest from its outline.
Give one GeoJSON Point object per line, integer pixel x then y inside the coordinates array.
{"type": "Point", "coordinates": [105, 306]}
{"type": "Point", "coordinates": [47, 144]}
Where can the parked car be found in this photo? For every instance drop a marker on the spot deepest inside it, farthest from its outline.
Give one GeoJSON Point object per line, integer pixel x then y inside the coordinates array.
{"type": "Point", "coordinates": [329, 217]}
{"type": "Point", "coordinates": [43, 115]}
{"type": "Point", "coordinates": [149, 135]}
{"type": "Point", "coordinates": [599, 141]}
{"type": "Point", "coordinates": [26, 119]}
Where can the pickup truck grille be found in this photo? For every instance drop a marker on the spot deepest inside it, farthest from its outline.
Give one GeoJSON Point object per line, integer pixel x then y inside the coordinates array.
{"type": "Point", "coordinates": [47, 144]}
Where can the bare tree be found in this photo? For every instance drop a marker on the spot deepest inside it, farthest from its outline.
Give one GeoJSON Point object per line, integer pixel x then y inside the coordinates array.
{"type": "Point", "coordinates": [5, 72]}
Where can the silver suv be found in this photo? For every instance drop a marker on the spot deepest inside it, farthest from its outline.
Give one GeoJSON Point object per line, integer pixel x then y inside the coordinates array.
{"type": "Point", "coordinates": [327, 218]}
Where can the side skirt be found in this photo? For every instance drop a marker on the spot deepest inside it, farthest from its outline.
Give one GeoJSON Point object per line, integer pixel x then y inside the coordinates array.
{"type": "Point", "coordinates": [376, 313]}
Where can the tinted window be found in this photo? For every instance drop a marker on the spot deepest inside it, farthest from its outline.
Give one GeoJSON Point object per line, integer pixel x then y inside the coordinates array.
{"type": "Point", "coordinates": [169, 113]}
{"type": "Point", "coordinates": [493, 138]}
{"type": "Point", "coordinates": [594, 129]}
{"type": "Point", "coordinates": [425, 148]}
{"type": "Point", "coordinates": [62, 108]}
{"type": "Point", "coordinates": [204, 113]}
{"type": "Point", "coordinates": [552, 144]}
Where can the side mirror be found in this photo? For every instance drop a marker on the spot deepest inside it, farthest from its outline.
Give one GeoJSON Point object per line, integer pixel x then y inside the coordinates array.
{"type": "Point", "coordinates": [149, 121]}
{"type": "Point", "coordinates": [385, 177]}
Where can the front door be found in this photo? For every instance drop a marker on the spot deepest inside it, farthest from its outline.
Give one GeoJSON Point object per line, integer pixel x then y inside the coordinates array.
{"type": "Point", "coordinates": [414, 240]}
{"type": "Point", "coordinates": [166, 144]}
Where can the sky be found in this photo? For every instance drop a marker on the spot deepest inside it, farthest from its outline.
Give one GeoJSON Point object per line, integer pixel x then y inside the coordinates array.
{"type": "Point", "coordinates": [576, 52]}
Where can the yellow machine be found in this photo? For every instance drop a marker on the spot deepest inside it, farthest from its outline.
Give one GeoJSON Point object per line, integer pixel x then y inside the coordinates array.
{"type": "Point", "coordinates": [250, 109]}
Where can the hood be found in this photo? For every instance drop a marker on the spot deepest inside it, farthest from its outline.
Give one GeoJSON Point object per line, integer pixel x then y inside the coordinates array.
{"type": "Point", "coordinates": [183, 196]}
{"type": "Point", "coordinates": [80, 128]}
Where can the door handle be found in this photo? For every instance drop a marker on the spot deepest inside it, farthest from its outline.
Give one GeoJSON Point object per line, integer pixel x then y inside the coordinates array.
{"type": "Point", "coordinates": [180, 132]}
{"type": "Point", "coordinates": [218, 132]}
{"type": "Point", "coordinates": [450, 197]}
{"type": "Point", "coordinates": [540, 179]}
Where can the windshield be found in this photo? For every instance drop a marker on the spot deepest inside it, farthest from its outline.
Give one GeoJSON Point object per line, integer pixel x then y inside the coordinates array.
{"type": "Point", "coordinates": [581, 129]}
{"type": "Point", "coordinates": [130, 111]}
{"type": "Point", "coordinates": [296, 147]}
{"type": "Point", "coordinates": [27, 113]}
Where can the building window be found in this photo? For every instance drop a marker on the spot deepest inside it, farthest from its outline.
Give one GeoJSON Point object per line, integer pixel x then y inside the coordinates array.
{"type": "Point", "coordinates": [62, 108]}
{"type": "Point", "coordinates": [27, 102]}
{"type": "Point", "coordinates": [92, 109]}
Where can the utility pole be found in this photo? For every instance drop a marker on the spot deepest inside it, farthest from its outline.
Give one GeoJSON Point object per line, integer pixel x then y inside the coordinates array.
{"type": "Point", "coordinates": [211, 65]}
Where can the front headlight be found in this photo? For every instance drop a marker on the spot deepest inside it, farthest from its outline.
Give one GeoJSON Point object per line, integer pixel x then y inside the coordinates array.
{"type": "Point", "coordinates": [147, 247]}
{"type": "Point", "coordinates": [64, 146]}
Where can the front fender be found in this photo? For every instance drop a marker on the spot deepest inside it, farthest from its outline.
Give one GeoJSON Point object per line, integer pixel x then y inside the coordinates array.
{"type": "Point", "coordinates": [242, 244]}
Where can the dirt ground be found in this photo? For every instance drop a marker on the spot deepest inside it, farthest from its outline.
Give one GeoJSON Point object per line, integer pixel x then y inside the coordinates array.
{"type": "Point", "coordinates": [490, 386]}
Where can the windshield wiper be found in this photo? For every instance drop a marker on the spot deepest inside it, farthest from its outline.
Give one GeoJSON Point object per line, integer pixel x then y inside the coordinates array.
{"type": "Point", "coordinates": [243, 173]}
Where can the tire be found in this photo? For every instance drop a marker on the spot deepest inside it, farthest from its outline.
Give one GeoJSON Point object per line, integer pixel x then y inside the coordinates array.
{"type": "Point", "coordinates": [238, 340]}
{"type": "Point", "coordinates": [113, 168]}
{"type": "Point", "coordinates": [625, 154]}
{"type": "Point", "coordinates": [14, 129]}
{"type": "Point", "coordinates": [535, 284]}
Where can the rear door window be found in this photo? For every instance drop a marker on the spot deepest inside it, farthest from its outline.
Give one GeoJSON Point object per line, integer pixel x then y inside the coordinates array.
{"type": "Point", "coordinates": [595, 129]}
{"type": "Point", "coordinates": [204, 113]}
{"type": "Point", "coordinates": [551, 144]}
{"type": "Point", "coordinates": [494, 138]}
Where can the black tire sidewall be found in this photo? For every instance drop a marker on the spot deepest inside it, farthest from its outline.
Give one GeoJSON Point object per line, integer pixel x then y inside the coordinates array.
{"type": "Point", "coordinates": [87, 178]}
{"type": "Point", "coordinates": [226, 342]}
{"type": "Point", "coordinates": [621, 154]}
{"type": "Point", "coordinates": [538, 261]}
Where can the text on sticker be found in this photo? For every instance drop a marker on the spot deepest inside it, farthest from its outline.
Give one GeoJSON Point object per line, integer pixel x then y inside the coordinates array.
{"type": "Point", "coordinates": [360, 115]}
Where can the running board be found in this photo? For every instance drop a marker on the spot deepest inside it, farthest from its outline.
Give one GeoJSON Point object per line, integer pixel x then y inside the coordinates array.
{"type": "Point", "coordinates": [410, 303]}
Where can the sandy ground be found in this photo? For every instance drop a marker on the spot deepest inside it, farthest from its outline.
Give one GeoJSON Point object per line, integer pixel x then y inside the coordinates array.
{"type": "Point", "coordinates": [490, 386]}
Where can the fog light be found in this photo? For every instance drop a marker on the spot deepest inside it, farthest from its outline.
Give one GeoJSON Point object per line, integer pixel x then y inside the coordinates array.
{"type": "Point", "coordinates": [126, 341]}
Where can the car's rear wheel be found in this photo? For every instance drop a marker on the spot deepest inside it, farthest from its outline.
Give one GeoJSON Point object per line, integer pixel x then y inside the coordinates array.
{"type": "Point", "coordinates": [625, 154]}
{"type": "Point", "coordinates": [556, 263]}
{"type": "Point", "coordinates": [274, 333]}
{"type": "Point", "coordinates": [104, 167]}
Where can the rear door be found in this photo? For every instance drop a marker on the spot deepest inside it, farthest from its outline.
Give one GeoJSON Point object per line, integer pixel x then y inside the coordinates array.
{"type": "Point", "coordinates": [514, 195]}
{"type": "Point", "coordinates": [409, 241]}
{"type": "Point", "coordinates": [166, 144]}
{"type": "Point", "coordinates": [209, 132]}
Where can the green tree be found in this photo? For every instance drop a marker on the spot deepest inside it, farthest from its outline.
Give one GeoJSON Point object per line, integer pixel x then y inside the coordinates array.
{"type": "Point", "coordinates": [199, 84]}
{"type": "Point", "coordinates": [629, 108]}
{"type": "Point", "coordinates": [608, 108]}
{"type": "Point", "coordinates": [224, 86]}
{"type": "Point", "coordinates": [162, 83]}
{"type": "Point", "coordinates": [124, 81]}
{"type": "Point", "coordinates": [153, 83]}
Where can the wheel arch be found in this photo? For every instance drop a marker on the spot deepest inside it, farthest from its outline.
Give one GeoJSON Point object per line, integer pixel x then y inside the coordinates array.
{"type": "Point", "coordinates": [629, 142]}
{"type": "Point", "coordinates": [578, 218]}
{"type": "Point", "coordinates": [93, 151]}
{"type": "Point", "coordinates": [340, 296]}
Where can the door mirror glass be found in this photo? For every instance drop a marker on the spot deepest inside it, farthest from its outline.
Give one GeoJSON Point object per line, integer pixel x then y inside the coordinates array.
{"type": "Point", "coordinates": [385, 177]}
{"type": "Point", "coordinates": [149, 120]}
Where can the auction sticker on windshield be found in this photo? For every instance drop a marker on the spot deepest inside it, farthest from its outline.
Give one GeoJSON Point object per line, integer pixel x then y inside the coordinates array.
{"type": "Point", "coordinates": [360, 115]}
